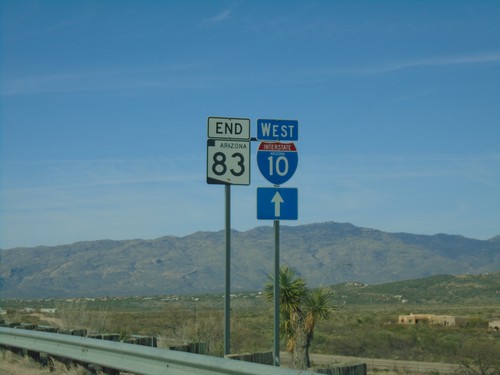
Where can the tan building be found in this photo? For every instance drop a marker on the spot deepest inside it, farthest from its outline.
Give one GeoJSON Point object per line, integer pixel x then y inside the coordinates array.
{"type": "Point", "coordinates": [494, 325]}
{"type": "Point", "coordinates": [431, 319]}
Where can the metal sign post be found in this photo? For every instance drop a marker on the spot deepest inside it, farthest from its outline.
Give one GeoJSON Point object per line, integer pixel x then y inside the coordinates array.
{"type": "Point", "coordinates": [276, 351]}
{"type": "Point", "coordinates": [277, 162]}
{"type": "Point", "coordinates": [228, 163]}
{"type": "Point", "coordinates": [227, 294]}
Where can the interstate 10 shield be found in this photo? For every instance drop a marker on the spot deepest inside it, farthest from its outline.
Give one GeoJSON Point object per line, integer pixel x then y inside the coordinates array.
{"type": "Point", "coordinates": [277, 161]}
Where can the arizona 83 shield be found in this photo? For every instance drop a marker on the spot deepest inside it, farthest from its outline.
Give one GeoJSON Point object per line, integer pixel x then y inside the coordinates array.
{"type": "Point", "coordinates": [228, 162]}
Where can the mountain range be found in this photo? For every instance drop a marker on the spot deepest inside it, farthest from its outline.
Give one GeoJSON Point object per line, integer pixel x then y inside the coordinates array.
{"type": "Point", "coordinates": [323, 253]}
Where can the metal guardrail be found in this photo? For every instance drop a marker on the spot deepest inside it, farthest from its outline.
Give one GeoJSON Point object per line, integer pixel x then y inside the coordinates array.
{"type": "Point", "coordinates": [133, 358]}
{"type": "Point", "coordinates": [387, 364]}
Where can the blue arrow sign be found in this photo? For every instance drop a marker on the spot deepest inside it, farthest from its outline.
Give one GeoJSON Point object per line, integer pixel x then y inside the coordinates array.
{"type": "Point", "coordinates": [278, 130]}
{"type": "Point", "coordinates": [277, 161]}
{"type": "Point", "coordinates": [277, 203]}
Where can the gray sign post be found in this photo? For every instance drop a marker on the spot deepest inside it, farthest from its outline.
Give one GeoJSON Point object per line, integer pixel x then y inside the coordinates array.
{"type": "Point", "coordinates": [277, 162]}
{"type": "Point", "coordinates": [228, 163]}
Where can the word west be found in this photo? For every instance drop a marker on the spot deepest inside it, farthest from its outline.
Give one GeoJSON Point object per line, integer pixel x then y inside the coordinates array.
{"type": "Point", "coordinates": [277, 130]}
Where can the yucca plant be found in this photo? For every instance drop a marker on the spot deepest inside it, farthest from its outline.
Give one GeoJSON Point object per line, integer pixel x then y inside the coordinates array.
{"type": "Point", "coordinates": [300, 310]}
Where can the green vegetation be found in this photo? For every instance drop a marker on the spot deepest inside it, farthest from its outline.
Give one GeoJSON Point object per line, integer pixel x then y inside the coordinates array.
{"type": "Point", "coordinates": [364, 323]}
{"type": "Point", "coordinates": [434, 290]}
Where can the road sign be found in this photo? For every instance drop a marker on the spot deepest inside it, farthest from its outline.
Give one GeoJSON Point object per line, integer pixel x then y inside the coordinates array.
{"type": "Point", "coordinates": [278, 130]}
{"type": "Point", "coordinates": [228, 162]}
{"type": "Point", "coordinates": [229, 128]}
{"type": "Point", "coordinates": [277, 161]}
{"type": "Point", "coordinates": [277, 203]}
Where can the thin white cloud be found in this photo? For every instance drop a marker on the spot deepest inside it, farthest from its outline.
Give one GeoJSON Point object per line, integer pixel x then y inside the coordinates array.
{"type": "Point", "coordinates": [105, 79]}
{"type": "Point", "coordinates": [18, 32]}
{"type": "Point", "coordinates": [218, 18]}
{"type": "Point", "coordinates": [431, 193]}
{"type": "Point", "coordinates": [408, 164]}
{"type": "Point", "coordinates": [45, 176]}
{"type": "Point", "coordinates": [440, 61]}
{"type": "Point", "coordinates": [62, 202]}
{"type": "Point", "coordinates": [393, 66]}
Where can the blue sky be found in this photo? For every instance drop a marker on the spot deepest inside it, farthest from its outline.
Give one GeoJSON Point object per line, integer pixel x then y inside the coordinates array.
{"type": "Point", "coordinates": [104, 107]}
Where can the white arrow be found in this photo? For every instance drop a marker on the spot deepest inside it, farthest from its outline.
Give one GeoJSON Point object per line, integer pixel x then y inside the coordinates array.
{"type": "Point", "coordinates": [277, 200]}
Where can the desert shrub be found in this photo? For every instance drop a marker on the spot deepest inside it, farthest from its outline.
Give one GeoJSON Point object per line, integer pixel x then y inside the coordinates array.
{"type": "Point", "coordinates": [207, 329]}
{"type": "Point", "coordinates": [480, 358]}
{"type": "Point", "coordinates": [476, 322]}
{"type": "Point", "coordinates": [15, 364]}
{"type": "Point", "coordinates": [77, 315]}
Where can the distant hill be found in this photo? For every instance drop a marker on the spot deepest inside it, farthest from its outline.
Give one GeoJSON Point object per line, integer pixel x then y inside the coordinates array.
{"type": "Point", "coordinates": [324, 253]}
{"type": "Point", "coordinates": [439, 289]}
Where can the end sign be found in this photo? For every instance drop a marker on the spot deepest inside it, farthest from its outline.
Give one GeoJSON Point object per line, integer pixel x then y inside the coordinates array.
{"type": "Point", "coordinates": [228, 151]}
{"type": "Point", "coordinates": [229, 128]}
